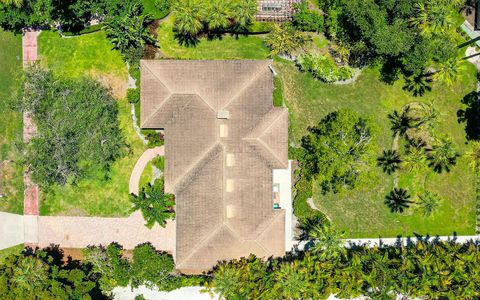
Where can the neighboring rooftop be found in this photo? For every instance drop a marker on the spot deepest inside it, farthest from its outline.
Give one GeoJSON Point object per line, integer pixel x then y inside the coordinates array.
{"type": "Point", "coordinates": [223, 137]}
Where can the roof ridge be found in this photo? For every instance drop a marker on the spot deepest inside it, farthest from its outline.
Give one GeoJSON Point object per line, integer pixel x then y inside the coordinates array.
{"type": "Point", "coordinates": [195, 165]}
{"type": "Point", "coordinates": [251, 135]}
{"type": "Point", "coordinates": [199, 245]}
{"type": "Point", "coordinates": [247, 84]}
{"type": "Point", "coordinates": [161, 82]}
{"type": "Point", "coordinates": [272, 220]}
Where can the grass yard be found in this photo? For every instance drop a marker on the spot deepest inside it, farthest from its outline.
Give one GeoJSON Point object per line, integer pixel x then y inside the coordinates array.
{"type": "Point", "coordinates": [9, 251]}
{"type": "Point", "coordinates": [88, 54]}
{"type": "Point", "coordinates": [11, 169]}
{"type": "Point", "coordinates": [224, 47]}
{"type": "Point", "coordinates": [92, 54]}
{"type": "Point", "coordinates": [362, 212]}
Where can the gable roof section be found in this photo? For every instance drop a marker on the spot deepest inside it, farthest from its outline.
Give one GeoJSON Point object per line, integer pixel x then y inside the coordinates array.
{"type": "Point", "coordinates": [220, 170]}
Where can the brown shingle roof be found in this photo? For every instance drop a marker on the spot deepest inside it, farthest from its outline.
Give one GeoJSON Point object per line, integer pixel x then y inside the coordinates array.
{"type": "Point", "coordinates": [184, 97]}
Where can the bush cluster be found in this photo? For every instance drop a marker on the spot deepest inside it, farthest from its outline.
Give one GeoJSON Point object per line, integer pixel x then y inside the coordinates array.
{"type": "Point", "coordinates": [323, 68]}
{"type": "Point", "coordinates": [193, 17]}
{"type": "Point", "coordinates": [307, 20]}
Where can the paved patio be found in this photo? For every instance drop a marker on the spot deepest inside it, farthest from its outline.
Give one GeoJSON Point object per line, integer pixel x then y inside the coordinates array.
{"type": "Point", "coordinates": [79, 232]}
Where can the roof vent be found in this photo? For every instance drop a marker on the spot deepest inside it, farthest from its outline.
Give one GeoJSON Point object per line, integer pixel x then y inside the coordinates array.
{"type": "Point", "coordinates": [223, 114]}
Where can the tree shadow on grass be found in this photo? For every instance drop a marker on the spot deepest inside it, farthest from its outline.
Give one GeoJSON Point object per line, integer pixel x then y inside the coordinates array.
{"type": "Point", "coordinates": [186, 40]}
{"type": "Point", "coordinates": [470, 115]}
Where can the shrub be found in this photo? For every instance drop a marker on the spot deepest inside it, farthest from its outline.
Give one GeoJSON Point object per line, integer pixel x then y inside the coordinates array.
{"type": "Point", "coordinates": [307, 20]}
{"type": "Point", "coordinates": [284, 39]}
{"type": "Point", "coordinates": [345, 73]}
{"type": "Point", "coordinates": [133, 95]}
{"type": "Point", "coordinates": [164, 8]}
{"type": "Point", "coordinates": [159, 162]}
{"type": "Point", "coordinates": [323, 68]}
{"type": "Point", "coordinates": [149, 265]}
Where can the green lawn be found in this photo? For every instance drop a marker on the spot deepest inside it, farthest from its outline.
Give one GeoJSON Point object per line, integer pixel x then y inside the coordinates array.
{"type": "Point", "coordinates": [361, 212]}
{"type": "Point", "coordinates": [88, 54]}
{"type": "Point", "coordinates": [9, 251]}
{"type": "Point", "coordinates": [11, 170]}
{"type": "Point", "coordinates": [92, 54]}
{"type": "Point", "coordinates": [150, 8]}
{"type": "Point", "coordinates": [224, 47]}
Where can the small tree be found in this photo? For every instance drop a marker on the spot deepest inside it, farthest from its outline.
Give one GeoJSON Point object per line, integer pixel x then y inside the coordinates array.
{"type": "Point", "coordinates": [442, 156]}
{"type": "Point", "coordinates": [336, 150]}
{"type": "Point", "coordinates": [128, 30]}
{"type": "Point", "coordinates": [155, 205]}
{"type": "Point", "coordinates": [428, 203]}
{"type": "Point", "coordinates": [284, 39]}
{"type": "Point", "coordinates": [389, 161]}
{"type": "Point", "coordinates": [398, 200]}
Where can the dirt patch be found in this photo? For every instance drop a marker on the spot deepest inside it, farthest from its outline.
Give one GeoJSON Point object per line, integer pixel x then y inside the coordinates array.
{"type": "Point", "coordinates": [117, 84]}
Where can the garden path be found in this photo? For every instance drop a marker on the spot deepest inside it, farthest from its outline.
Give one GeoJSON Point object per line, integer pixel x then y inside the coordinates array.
{"type": "Point", "coordinates": [147, 156]}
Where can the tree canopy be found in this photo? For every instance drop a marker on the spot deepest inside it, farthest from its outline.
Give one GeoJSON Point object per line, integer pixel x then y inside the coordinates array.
{"type": "Point", "coordinates": [78, 128]}
{"type": "Point", "coordinates": [336, 150]}
{"type": "Point", "coordinates": [42, 274]}
{"type": "Point", "coordinates": [407, 36]}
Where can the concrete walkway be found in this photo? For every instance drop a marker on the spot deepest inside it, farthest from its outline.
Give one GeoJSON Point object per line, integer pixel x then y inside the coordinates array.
{"type": "Point", "coordinates": [147, 156]}
{"type": "Point", "coordinates": [185, 293]}
{"type": "Point", "coordinates": [11, 230]}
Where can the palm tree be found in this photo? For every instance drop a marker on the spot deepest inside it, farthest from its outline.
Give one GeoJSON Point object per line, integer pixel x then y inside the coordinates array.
{"type": "Point", "coordinates": [17, 3]}
{"type": "Point", "coordinates": [415, 159]}
{"type": "Point", "coordinates": [402, 122]}
{"type": "Point", "coordinates": [189, 16]}
{"type": "Point", "coordinates": [244, 12]}
{"type": "Point", "coordinates": [398, 200]}
{"type": "Point", "coordinates": [418, 84]}
{"type": "Point", "coordinates": [156, 206]}
{"type": "Point", "coordinates": [442, 156]}
{"type": "Point", "coordinates": [448, 71]}
{"type": "Point", "coordinates": [327, 241]}
{"type": "Point", "coordinates": [389, 161]}
{"type": "Point", "coordinates": [290, 279]}
{"type": "Point", "coordinates": [220, 13]}
{"type": "Point", "coordinates": [431, 18]}
{"type": "Point", "coordinates": [428, 203]}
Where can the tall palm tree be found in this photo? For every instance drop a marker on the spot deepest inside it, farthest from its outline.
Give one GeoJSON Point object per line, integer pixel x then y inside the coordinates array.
{"type": "Point", "coordinates": [220, 14]}
{"type": "Point", "coordinates": [327, 241]}
{"type": "Point", "coordinates": [398, 200]}
{"type": "Point", "coordinates": [244, 12]}
{"type": "Point", "coordinates": [389, 161]}
{"type": "Point", "coordinates": [290, 279]}
{"type": "Point", "coordinates": [442, 156]}
{"type": "Point", "coordinates": [448, 71]}
{"type": "Point", "coordinates": [431, 17]}
{"type": "Point", "coordinates": [402, 122]}
{"type": "Point", "coordinates": [189, 16]}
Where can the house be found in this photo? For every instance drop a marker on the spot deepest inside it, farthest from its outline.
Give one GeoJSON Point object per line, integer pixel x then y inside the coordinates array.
{"type": "Point", "coordinates": [275, 10]}
{"type": "Point", "coordinates": [223, 138]}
